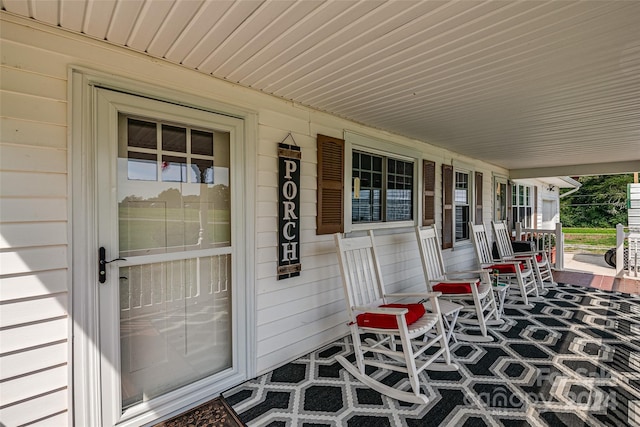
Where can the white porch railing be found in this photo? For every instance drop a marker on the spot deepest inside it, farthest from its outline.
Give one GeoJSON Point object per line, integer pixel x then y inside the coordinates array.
{"type": "Point", "coordinates": [632, 236]}
{"type": "Point", "coordinates": [547, 240]}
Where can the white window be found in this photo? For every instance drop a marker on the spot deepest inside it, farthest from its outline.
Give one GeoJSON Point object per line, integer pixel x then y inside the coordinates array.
{"type": "Point", "coordinates": [522, 204]}
{"type": "Point", "coordinates": [500, 199]}
{"type": "Point", "coordinates": [462, 202]}
{"type": "Point", "coordinates": [381, 183]}
{"type": "Point", "coordinates": [382, 188]}
{"type": "Point", "coordinates": [548, 210]}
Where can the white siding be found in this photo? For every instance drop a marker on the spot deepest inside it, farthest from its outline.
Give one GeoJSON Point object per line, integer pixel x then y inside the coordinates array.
{"type": "Point", "coordinates": [294, 316]}
{"type": "Point", "coordinates": [34, 324]}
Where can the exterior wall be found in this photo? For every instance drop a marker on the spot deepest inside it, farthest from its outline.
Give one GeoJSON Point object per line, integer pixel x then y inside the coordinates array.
{"type": "Point", "coordinates": [293, 316]}
{"type": "Point", "coordinates": [551, 196]}
{"type": "Point", "coordinates": [34, 257]}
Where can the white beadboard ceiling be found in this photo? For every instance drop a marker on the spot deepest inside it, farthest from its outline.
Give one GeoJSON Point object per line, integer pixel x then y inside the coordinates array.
{"type": "Point", "coordinates": [539, 87]}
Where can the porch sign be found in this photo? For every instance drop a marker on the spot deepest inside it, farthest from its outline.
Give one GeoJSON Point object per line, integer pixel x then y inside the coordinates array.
{"type": "Point", "coordinates": [289, 211]}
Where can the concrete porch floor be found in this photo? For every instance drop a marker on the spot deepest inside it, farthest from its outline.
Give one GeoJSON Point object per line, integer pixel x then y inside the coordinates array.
{"type": "Point", "coordinates": [590, 270]}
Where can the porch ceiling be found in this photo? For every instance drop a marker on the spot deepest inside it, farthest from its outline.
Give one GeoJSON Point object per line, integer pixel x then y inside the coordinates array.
{"type": "Point", "coordinates": [541, 87]}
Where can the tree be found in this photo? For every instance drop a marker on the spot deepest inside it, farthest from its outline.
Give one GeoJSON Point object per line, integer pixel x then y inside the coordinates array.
{"type": "Point", "coordinates": [601, 202]}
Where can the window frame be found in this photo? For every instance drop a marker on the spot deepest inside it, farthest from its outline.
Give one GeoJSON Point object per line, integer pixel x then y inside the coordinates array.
{"type": "Point", "coordinates": [516, 204]}
{"type": "Point", "coordinates": [386, 149]}
{"type": "Point", "coordinates": [471, 205]}
{"type": "Point", "coordinates": [476, 205]}
{"type": "Point", "coordinates": [497, 181]}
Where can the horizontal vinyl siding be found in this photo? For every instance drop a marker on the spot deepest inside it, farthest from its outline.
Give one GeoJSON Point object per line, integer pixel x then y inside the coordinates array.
{"type": "Point", "coordinates": [49, 409]}
{"type": "Point", "coordinates": [18, 389]}
{"type": "Point", "coordinates": [34, 294]}
{"type": "Point", "coordinates": [36, 359]}
{"type": "Point", "coordinates": [294, 316]}
{"type": "Point", "coordinates": [296, 312]}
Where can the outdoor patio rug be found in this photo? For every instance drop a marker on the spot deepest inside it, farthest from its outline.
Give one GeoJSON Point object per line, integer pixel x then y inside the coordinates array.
{"type": "Point", "coordinates": [214, 413]}
{"type": "Point", "coordinates": [571, 360]}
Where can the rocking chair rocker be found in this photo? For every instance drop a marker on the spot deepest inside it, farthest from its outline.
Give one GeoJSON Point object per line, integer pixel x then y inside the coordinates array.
{"type": "Point", "coordinates": [398, 328]}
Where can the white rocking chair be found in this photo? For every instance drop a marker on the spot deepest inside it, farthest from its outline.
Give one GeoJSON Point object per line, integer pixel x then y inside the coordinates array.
{"type": "Point", "coordinates": [472, 289]}
{"type": "Point", "coordinates": [519, 275]}
{"type": "Point", "coordinates": [539, 261]}
{"type": "Point", "coordinates": [370, 313]}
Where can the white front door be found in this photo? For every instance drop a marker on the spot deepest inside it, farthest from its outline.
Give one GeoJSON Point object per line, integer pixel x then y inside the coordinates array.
{"type": "Point", "coordinates": [166, 212]}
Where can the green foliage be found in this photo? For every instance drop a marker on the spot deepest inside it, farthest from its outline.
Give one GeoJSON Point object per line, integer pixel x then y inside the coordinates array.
{"type": "Point", "coordinates": [582, 230]}
{"type": "Point", "coordinates": [601, 202]}
{"type": "Point", "coordinates": [593, 237]}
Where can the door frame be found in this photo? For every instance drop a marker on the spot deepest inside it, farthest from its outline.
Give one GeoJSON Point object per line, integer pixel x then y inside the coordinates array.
{"type": "Point", "coordinates": [86, 357]}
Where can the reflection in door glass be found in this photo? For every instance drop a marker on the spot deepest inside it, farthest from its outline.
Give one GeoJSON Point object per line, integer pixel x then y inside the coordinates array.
{"type": "Point", "coordinates": [174, 139]}
{"type": "Point", "coordinates": [141, 134]}
{"type": "Point", "coordinates": [174, 325]}
{"type": "Point", "coordinates": [174, 169]}
{"type": "Point", "coordinates": [142, 167]}
{"type": "Point", "coordinates": [185, 207]}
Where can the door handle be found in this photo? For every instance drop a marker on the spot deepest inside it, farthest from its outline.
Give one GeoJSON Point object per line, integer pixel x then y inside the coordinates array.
{"type": "Point", "coordinates": [102, 264]}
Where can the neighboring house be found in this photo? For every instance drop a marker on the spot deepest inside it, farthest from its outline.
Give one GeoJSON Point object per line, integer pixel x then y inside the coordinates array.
{"type": "Point", "coordinates": [541, 196]}
{"type": "Point", "coordinates": [105, 147]}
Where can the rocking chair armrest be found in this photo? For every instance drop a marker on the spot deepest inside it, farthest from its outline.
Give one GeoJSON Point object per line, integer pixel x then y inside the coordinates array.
{"type": "Point", "coordinates": [526, 254]}
{"type": "Point", "coordinates": [504, 262]}
{"type": "Point", "coordinates": [471, 280]}
{"type": "Point", "coordinates": [381, 310]}
{"type": "Point", "coordinates": [526, 258]}
{"type": "Point", "coordinates": [415, 295]}
{"type": "Point", "coordinates": [468, 272]}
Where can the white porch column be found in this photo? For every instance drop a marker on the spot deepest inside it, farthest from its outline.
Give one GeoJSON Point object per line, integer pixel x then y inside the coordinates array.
{"type": "Point", "coordinates": [559, 264]}
{"type": "Point", "coordinates": [620, 235]}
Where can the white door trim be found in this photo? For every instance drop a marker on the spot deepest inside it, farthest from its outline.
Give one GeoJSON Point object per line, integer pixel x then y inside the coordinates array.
{"type": "Point", "coordinates": [86, 389]}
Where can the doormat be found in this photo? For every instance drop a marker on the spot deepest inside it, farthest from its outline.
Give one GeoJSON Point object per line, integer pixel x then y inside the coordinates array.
{"type": "Point", "coordinates": [214, 413]}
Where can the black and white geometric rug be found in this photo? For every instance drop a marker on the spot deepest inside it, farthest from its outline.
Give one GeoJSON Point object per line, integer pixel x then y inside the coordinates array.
{"type": "Point", "coordinates": [571, 360]}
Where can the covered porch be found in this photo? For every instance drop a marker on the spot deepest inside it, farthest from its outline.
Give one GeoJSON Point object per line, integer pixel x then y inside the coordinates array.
{"type": "Point", "coordinates": [431, 113]}
{"type": "Point", "coordinates": [571, 360]}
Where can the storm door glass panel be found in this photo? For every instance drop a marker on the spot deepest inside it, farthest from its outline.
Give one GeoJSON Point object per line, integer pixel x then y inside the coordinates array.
{"type": "Point", "coordinates": [173, 199]}
{"type": "Point", "coordinates": [173, 192]}
{"type": "Point", "coordinates": [174, 325]}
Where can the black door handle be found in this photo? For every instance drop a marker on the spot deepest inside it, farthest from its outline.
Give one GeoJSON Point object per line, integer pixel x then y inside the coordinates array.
{"type": "Point", "coordinates": [102, 264]}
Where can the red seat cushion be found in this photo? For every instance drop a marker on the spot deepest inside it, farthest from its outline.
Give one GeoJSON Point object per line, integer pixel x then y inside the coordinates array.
{"type": "Point", "coordinates": [505, 268]}
{"type": "Point", "coordinates": [454, 288]}
{"type": "Point", "coordinates": [389, 321]}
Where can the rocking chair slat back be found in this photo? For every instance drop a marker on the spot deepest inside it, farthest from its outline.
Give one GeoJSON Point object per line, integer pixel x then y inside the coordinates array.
{"type": "Point", "coordinates": [502, 240]}
{"type": "Point", "coordinates": [481, 244]}
{"type": "Point", "coordinates": [432, 260]}
{"type": "Point", "coordinates": [363, 280]}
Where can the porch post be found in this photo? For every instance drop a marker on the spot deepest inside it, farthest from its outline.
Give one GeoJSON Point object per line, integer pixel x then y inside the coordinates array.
{"type": "Point", "coordinates": [620, 235]}
{"type": "Point", "coordinates": [559, 264]}
{"type": "Point", "coordinates": [518, 230]}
